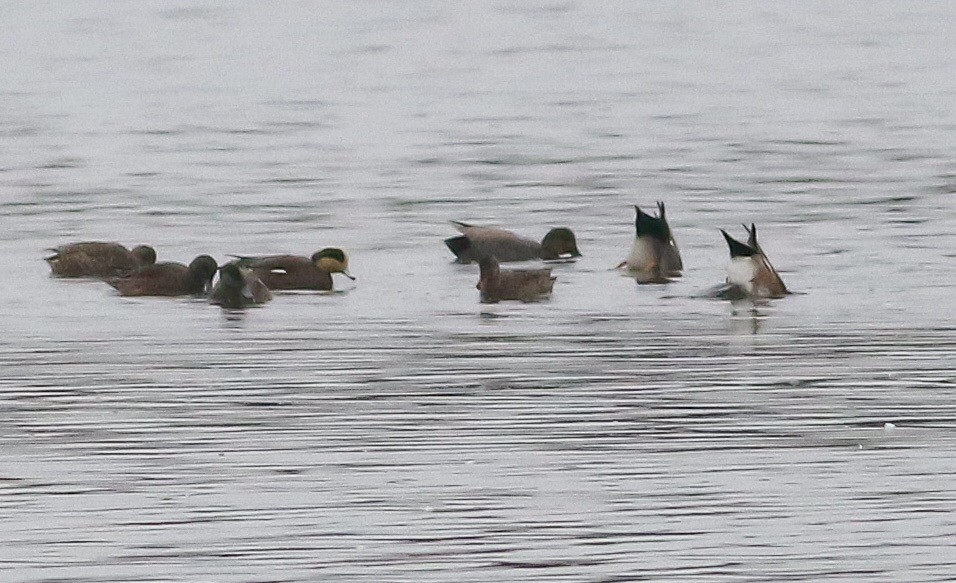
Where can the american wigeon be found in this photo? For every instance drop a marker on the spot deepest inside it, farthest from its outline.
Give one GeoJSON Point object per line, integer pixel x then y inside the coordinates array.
{"type": "Point", "coordinates": [654, 255]}
{"type": "Point", "coordinates": [525, 285]}
{"type": "Point", "coordinates": [168, 279]}
{"type": "Point", "coordinates": [477, 242]}
{"type": "Point", "coordinates": [98, 259]}
{"type": "Point", "coordinates": [283, 272]}
{"type": "Point", "coordinates": [750, 273]}
{"type": "Point", "coordinates": [238, 287]}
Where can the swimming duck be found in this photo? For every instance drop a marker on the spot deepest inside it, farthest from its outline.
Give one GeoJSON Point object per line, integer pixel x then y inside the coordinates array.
{"type": "Point", "coordinates": [98, 259]}
{"type": "Point", "coordinates": [168, 279]}
{"type": "Point", "coordinates": [477, 242]}
{"type": "Point", "coordinates": [525, 285]}
{"type": "Point", "coordinates": [238, 287]}
{"type": "Point", "coordinates": [750, 273]}
{"type": "Point", "coordinates": [654, 256]}
{"type": "Point", "coordinates": [280, 272]}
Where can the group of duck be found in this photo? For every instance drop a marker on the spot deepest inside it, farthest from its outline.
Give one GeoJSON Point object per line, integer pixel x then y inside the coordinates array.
{"type": "Point", "coordinates": [654, 258]}
{"type": "Point", "coordinates": [250, 280]}
{"type": "Point", "coordinates": [242, 282]}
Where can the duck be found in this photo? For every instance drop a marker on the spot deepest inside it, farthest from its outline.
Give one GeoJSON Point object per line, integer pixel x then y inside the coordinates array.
{"type": "Point", "coordinates": [168, 279]}
{"type": "Point", "coordinates": [654, 257]}
{"type": "Point", "coordinates": [98, 259]}
{"type": "Point", "coordinates": [526, 285]}
{"type": "Point", "coordinates": [238, 288]}
{"type": "Point", "coordinates": [477, 242]}
{"type": "Point", "coordinates": [750, 274]}
{"type": "Point", "coordinates": [286, 272]}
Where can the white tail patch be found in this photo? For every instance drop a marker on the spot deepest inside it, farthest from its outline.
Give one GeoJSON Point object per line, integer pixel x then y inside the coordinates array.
{"type": "Point", "coordinates": [741, 273]}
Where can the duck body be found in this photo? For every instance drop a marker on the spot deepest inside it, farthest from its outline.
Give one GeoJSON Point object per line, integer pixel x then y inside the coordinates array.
{"type": "Point", "coordinates": [238, 288]}
{"type": "Point", "coordinates": [98, 259]}
{"type": "Point", "coordinates": [285, 272]}
{"type": "Point", "coordinates": [168, 279]}
{"type": "Point", "coordinates": [654, 255]}
{"type": "Point", "coordinates": [477, 242]}
{"type": "Point", "coordinates": [525, 285]}
{"type": "Point", "coordinates": [750, 274]}
{"type": "Point", "coordinates": [288, 272]}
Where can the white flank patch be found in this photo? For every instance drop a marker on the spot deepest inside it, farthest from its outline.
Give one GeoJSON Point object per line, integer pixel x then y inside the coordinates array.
{"type": "Point", "coordinates": [642, 254]}
{"type": "Point", "coordinates": [741, 273]}
{"type": "Point", "coordinates": [278, 270]}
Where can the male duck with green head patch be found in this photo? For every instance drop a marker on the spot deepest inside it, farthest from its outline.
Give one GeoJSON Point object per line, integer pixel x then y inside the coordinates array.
{"type": "Point", "coordinates": [289, 272]}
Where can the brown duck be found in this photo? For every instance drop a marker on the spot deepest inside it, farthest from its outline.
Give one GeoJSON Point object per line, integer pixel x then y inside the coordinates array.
{"type": "Point", "coordinates": [168, 279]}
{"type": "Point", "coordinates": [284, 272]}
{"type": "Point", "coordinates": [526, 285]}
{"type": "Point", "coordinates": [98, 259]}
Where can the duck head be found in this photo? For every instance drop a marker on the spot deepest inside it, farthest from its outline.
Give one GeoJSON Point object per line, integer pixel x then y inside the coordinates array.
{"type": "Point", "coordinates": [558, 243]}
{"type": "Point", "coordinates": [332, 260]}
{"type": "Point", "coordinates": [489, 273]}
{"type": "Point", "coordinates": [203, 268]}
{"type": "Point", "coordinates": [144, 254]}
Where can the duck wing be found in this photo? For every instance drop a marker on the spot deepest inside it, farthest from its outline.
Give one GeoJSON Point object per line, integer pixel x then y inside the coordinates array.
{"type": "Point", "coordinates": [160, 279]}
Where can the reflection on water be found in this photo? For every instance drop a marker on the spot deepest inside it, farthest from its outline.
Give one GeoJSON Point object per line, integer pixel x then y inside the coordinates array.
{"type": "Point", "coordinates": [398, 429]}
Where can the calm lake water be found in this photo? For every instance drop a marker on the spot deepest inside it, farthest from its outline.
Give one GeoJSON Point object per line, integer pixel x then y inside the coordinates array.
{"type": "Point", "coordinates": [397, 430]}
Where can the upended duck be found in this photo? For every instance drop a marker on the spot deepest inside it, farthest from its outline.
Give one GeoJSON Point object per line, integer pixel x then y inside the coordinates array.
{"type": "Point", "coordinates": [525, 285]}
{"type": "Point", "coordinates": [98, 259]}
{"type": "Point", "coordinates": [287, 272]}
{"type": "Point", "coordinates": [750, 274]}
{"type": "Point", "coordinates": [168, 279]}
{"type": "Point", "coordinates": [238, 288]}
{"type": "Point", "coordinates": [654, 256]}
{"type": "Point", "coordinates": [477, 242]}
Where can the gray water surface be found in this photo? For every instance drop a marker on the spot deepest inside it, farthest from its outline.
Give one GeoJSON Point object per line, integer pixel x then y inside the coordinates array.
{"type": "Point", "coordinates": [398, 430]}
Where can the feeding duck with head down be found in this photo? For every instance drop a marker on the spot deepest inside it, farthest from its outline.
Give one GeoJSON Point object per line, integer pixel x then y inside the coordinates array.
{"type": "Point", "coordinates": [750, 273]}
{"type": "Point", "coordinates": [654, 256]}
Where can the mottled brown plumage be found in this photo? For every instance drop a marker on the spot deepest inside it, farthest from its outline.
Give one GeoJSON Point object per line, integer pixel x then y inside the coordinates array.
{"type": "Point", "coordinates": [524, 285]}
{"type": "Point", "coordinates": [98, 259]}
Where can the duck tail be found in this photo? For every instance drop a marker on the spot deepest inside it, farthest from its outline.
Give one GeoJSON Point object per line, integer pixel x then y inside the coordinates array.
{"type": "Point", "coordinates": [752, 235]}
{"type": "Point", "coordinates": [459, 246]}
{"type": "Point", "coordinates": [655, 227]}
{"type": "Point", "coordinates": [738, 249]}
